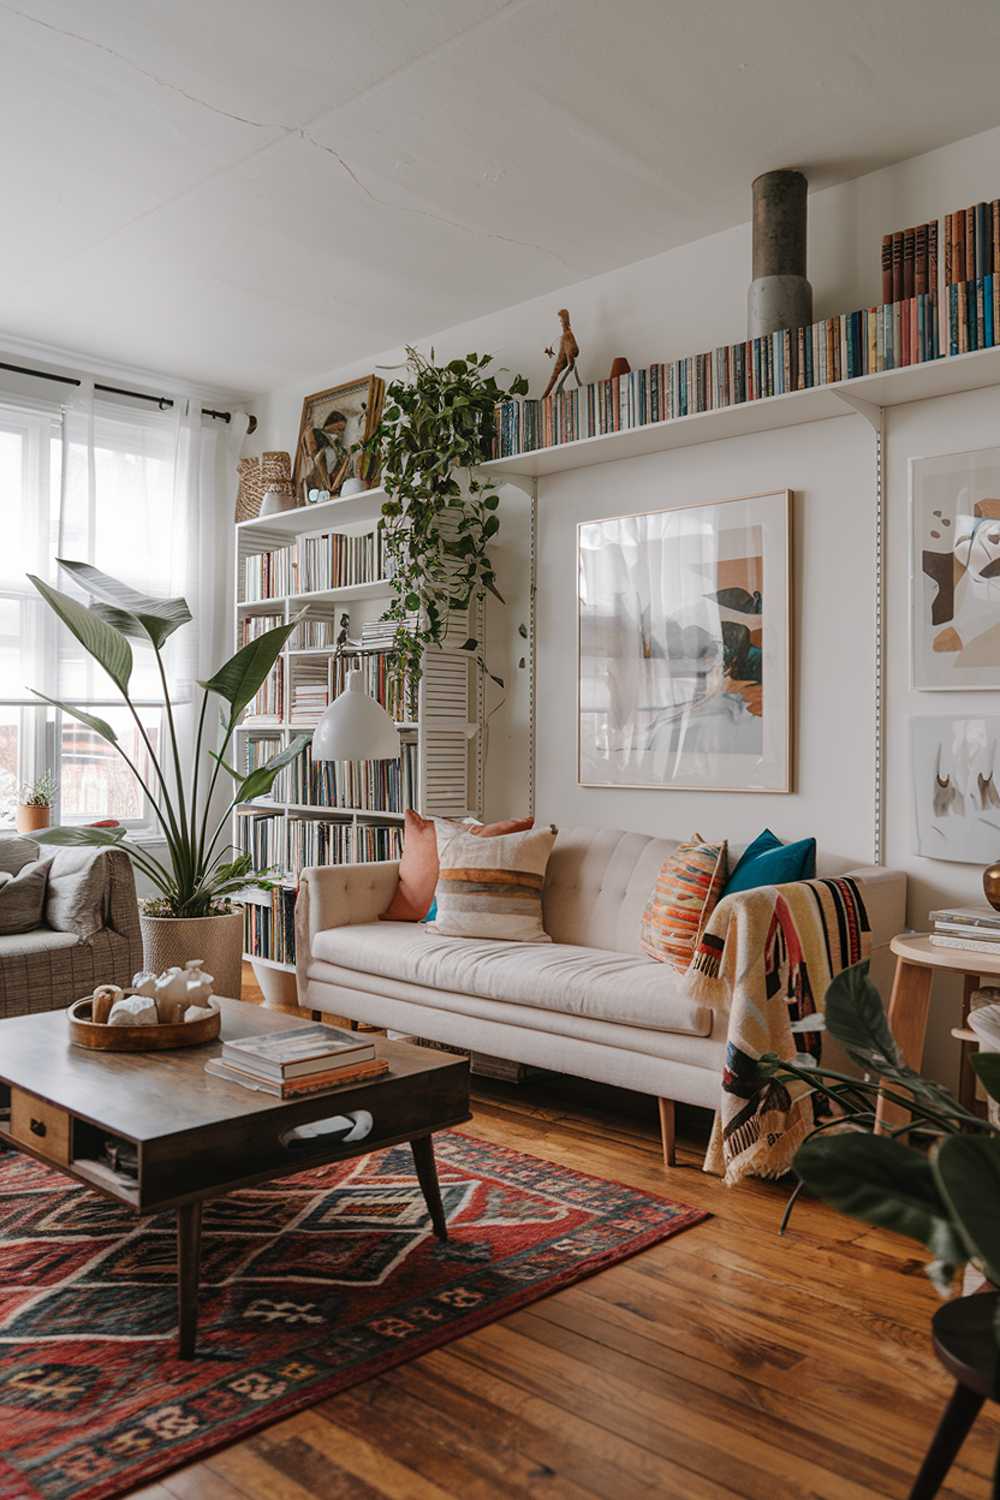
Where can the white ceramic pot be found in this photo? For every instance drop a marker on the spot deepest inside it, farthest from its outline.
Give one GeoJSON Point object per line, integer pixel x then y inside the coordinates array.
{"type": "Point", "coordinates": [217, 941]}
{"type": "Point", "coordinates": [353, 486]}
{"type": "Point", "coordinates": [276, 501]}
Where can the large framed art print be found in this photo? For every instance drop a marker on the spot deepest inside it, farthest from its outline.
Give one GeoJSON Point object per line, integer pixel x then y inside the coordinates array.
{"type": "Point", "coordinates": [685, 647]}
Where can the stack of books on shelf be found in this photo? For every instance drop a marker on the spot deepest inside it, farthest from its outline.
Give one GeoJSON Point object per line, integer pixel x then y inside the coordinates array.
{"type": "Point", "coordinates": [268, 575]}
{"type": "Point", "coordinates": [380, 635]}
{"type": "Point", "coordinates": [269, 926]}
{"type": "Point", "coordinates": [310, 691]}
{"type": "Point", "coordinates": [298, 1061]}
{"type": "Point", "coordinates": [337, 560]}
{"type": "Point", "coordinates": [262, 836]}
{"type": "Point", "coordinates": [386, 680]}
{"type": "Point", "coordinates": [312, 841]}
{"type": "Point", "coordinates": [972, 277]}
{"type": "Point", "coordinates": [976, 929]}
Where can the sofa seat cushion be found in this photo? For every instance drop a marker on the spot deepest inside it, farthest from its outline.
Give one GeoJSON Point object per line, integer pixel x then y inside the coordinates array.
{"type": "Point", "coordinates": [40, 940]}
{"type": "Point", "coordinates": [589, 982]}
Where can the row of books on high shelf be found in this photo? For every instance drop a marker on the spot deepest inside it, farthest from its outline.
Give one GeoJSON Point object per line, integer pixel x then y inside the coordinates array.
{"type": "Point", "coordinates": [328, 560]}
{"type": "Point", "coordinates": [973, 929]}
{"type": "Point", "coordinates": [269, 930]}
{"type": "Point", "coordinates": [298, 1061]}
{"type": "Point", "coordinates": [859, 343]}
{"type": "Point", "coordinates": [262, 836]}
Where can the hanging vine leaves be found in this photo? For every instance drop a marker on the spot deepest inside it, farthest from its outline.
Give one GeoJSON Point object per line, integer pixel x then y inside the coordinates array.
{"type": "Point", "coordinates": [436, 430]}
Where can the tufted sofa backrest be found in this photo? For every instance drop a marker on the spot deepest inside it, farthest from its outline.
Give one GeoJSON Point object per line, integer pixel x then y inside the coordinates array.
{"type": "Point", "coordinates": [597, 884]}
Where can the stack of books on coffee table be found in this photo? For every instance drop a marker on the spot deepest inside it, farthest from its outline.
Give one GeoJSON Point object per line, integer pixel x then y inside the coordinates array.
{"type": "Point", "coordinates": [976, 929]}
{"type": "Point", "coordinates": [298, 1061]}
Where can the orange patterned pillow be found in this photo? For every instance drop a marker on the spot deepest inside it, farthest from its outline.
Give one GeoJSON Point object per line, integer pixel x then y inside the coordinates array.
{"type": "Point", "coordinates": [684, 898]}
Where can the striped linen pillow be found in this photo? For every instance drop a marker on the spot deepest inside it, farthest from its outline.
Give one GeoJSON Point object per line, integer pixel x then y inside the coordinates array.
{"type": "Point", "coordinates": [687, 889]}
{"type": "Point", "coordinates": [492, 887]}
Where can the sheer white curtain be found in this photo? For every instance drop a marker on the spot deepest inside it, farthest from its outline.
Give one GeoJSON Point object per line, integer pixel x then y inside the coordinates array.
{"type": "Point", "coordinates": [141, 495]}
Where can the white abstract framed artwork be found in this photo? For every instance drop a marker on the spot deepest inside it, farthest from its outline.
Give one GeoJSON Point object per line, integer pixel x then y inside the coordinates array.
{"type": "Point", "coordinates": [956, 783]}
{"type": "Point", "coordinates": [955, 570]}
{"type": "Point", "coordinates": [684, 643]}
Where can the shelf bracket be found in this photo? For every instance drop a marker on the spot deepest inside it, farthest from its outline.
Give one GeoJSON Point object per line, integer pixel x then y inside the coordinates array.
{"type": "Point", "coordinates": [526, 483]}
{"type": "Point", "coordinates": [867, 409]}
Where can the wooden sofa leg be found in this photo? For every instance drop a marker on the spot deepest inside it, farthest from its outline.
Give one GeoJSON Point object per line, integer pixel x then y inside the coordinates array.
{"type": "Point", "coordinates": [668, 1131]}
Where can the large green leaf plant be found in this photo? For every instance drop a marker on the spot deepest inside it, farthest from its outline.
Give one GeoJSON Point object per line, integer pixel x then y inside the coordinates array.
{"type": "Point", "coordinates": [945, 1195]}
{"type": "Point", "coordinates": [199, 878]}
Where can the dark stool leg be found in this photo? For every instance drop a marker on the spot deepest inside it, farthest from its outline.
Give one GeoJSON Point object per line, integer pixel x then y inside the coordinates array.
{"type": "Point", "coordinates": [953, 1428]}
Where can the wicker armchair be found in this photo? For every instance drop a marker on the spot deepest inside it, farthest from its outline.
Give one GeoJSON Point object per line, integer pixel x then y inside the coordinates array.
{"type": "Point", "coordinates": [55, 964]}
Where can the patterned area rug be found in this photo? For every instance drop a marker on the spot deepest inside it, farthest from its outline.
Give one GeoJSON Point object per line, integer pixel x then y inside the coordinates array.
{"type": "Point", "coordinates": [310, 1285]}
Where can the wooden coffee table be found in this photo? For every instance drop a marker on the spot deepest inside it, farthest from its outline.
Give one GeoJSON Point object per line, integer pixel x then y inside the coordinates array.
{"type": "Point", "coordinates": [197, 1136]}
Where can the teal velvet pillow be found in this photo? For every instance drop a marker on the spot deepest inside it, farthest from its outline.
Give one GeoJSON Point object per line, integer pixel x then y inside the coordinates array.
{"type": "Point", "coordinates": [432, 912]}
{"type": "Point", "coordinates": [767, 861]}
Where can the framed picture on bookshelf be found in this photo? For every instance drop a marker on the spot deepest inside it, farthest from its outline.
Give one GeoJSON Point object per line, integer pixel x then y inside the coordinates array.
{"type": "Point", "coordinates": [333, 422]}
{"type": "Point", "coordinates": [955, 570]}
{"type": "Point", "coordinates": [685, 647]}
{"type": "Point", "coordinates": [956, 787]}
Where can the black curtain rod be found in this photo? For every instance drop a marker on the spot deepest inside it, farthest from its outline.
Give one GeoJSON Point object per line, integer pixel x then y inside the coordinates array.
{"type": "Point", "coordinates": [165, 403]}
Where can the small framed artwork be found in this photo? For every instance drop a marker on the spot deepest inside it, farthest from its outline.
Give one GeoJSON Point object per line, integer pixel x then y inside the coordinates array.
{"type": "Point", "coordinates": [684, 642]}
{"type": "Point", "coordinates": [956, 783]}
{"type": "Point", "coordinates": [333, 422]}
{"type": "Point", "coordinates": [955, 570]}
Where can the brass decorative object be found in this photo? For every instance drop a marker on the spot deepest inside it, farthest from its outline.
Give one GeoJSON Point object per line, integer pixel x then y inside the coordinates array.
{"type": "Point", "coordinates": [991, 885]}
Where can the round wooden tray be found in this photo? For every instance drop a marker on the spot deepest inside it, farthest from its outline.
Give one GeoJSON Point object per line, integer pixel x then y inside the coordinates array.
{"type": "Point", "coordinates": [87, 1033]}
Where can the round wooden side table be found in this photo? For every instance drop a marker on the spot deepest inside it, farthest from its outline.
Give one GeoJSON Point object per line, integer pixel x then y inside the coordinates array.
{"type": "Point", "coordinates": [966, 1344]}
{"type": "Point", "coordinates": [917, 960]}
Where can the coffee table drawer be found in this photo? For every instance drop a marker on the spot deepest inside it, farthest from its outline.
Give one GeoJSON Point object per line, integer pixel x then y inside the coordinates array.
{"type": "Point", "coordinates": [43, 1126]}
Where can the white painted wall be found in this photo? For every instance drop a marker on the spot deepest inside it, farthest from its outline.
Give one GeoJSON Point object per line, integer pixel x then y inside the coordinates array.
{"type": "Point", "coordinates": [691, 299]}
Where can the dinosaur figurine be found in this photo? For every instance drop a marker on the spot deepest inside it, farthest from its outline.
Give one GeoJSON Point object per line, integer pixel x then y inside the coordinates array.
{"type": "Point", "coordinates": [565, 360]}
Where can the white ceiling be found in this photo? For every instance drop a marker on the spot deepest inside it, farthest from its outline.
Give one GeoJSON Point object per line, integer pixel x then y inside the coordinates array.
{"type": "Point", "coordinates": [245, 191]}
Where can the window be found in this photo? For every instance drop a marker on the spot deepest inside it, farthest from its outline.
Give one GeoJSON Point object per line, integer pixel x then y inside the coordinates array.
{"type": "Point", "coordinates": [100, 487]}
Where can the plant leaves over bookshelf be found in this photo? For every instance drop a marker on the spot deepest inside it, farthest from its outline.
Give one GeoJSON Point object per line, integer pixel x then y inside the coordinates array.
{"type": "Point", "coordinates": [439, 517]}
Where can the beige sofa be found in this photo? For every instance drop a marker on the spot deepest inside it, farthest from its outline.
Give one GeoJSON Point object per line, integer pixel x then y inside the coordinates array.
{"type": "Point", "coordinates": [590, 1003]}
{"type": "Point", "coordinates": [90, 933]}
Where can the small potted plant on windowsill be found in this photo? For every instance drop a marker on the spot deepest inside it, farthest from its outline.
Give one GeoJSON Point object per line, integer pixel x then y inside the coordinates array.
{"type": "Point", "coordinates": [34, 804]}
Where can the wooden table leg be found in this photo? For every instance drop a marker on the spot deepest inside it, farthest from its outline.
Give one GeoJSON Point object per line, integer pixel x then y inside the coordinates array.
{"type": "Point", "coordinates": [188, 1259]}
{"type": "Point", "coordinates": [908, 1006]}
{"type": "Point", "coordinates": [966, 1077]}
{"type": "Point", "coordinates": [423, 1160]}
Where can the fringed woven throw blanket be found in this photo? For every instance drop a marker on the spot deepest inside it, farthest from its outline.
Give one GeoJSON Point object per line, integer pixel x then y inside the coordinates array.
{"type": "Point", "coordinates": [769, 955]}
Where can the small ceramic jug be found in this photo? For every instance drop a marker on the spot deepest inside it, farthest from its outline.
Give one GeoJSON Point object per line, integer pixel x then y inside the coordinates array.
{"type": "Point", "coordinates": [170, 992]}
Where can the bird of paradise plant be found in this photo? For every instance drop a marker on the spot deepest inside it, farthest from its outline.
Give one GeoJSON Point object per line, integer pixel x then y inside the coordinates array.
{"type": "Point", "coordinates": [198, 879]}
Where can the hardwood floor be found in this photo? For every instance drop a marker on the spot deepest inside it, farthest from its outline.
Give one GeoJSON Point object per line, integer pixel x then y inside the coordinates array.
{"type": "Point", "coordinates": [726, 1362]}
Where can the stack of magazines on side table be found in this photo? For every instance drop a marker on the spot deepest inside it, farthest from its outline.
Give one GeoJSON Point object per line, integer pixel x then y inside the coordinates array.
{"type": "Point", "coordinates": [976, 929]}
{"type": "Point", "coordinates": [299, 1061]}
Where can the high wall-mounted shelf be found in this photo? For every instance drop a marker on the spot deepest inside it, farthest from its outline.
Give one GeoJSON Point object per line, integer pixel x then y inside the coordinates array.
{"type": "Point", "coordinates": [940, 377]}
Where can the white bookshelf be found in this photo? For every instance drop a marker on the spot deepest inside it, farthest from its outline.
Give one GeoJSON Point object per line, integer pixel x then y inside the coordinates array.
{"type": "Point", "coordinates": [447, 730]}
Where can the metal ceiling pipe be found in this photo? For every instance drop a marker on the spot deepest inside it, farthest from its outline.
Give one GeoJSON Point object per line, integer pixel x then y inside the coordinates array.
{"type": "Point", "coordinates": [779, 295]}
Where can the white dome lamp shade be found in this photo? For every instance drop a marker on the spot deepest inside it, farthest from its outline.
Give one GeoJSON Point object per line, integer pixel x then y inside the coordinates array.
{"type": "Point", "coordinates": [355, 727]}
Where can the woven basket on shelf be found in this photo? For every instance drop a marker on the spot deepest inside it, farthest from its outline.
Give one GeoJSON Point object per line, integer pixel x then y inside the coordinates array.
{"type": "Point", "coordinates": [272, 471]}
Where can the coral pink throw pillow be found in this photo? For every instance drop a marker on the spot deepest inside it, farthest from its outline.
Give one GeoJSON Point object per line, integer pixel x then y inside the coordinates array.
{"type": "Point", "coordinates": [418, 867]}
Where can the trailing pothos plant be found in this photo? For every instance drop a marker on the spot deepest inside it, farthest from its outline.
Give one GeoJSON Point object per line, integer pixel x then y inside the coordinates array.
{"type": "Point", "coordinates": [199, 879]}
{"type": "Point", "coordinates": [440, 515]}
{"type": "Point", "coordinates": [946, 1197]}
